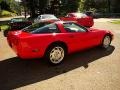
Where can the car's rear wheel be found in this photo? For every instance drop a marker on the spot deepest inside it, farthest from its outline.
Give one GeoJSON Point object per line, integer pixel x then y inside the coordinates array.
{"type": "Point", "coordinates": [106, 41]}
{"type": "Point", "coordinates": [56, 54]}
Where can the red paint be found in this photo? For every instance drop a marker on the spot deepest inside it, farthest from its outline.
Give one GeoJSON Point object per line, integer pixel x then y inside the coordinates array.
{"type": "Point", "coordinates": [27, 45]}
{"type": "Point", "coordinates": [83, 20]}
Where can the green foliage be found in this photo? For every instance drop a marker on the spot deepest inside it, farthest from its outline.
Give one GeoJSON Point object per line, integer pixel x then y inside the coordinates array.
{"type": "Point", "coordinates": [88, 4]}
{"type": "Point", "coordinates": [15, 6]}
{"type": "Point", "coordinates": [102, 6]}
{"type": "Point", "coordinates": [4, 27]}
{"type": "Point", "coordinates": [10, 5]}
{"type": "Point", "coordinates": [5, 13]}
{"type": "Point", "coordinates": [115, 21]}
{"type": "Point", "coordinates": [1, 1]}
{"type": "Point", "coordinates": [115, 6]}
{"type": "Point", "coordinates": [64, 7]}
{"type": "Point", "coordinates": [81, 6]}
{"type": "Point", "coordinates": [69, 6]}
{"type": "Point", "coordinates": [4, 5]}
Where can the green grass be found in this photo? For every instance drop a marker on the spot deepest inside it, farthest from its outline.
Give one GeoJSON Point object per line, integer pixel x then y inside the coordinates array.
{"type": "Point", "coordinates": [115, 21]}
{"type": "Point", "coordinates": [4, 27]}
{"type": "Point", "coordinates": [5, 13]}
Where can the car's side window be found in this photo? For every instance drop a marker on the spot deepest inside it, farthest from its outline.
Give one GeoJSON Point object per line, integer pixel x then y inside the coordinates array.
{"type": "Point", "coordinates": [72, 27]}
{"type": "Point", "coordinates": [51, 28]}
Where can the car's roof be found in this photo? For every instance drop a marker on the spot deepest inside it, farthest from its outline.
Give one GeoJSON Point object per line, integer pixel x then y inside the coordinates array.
{"type": "Point", "coordinates": [46, 15]}
{"type": "Point", "coordinates": [61, 22]}
{"type": "Point", "coordinates": [56, 22]}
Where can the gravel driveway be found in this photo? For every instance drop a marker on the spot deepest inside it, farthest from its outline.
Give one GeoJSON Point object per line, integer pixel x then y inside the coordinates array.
{"type": "Point", "coordinates": [94, 69]}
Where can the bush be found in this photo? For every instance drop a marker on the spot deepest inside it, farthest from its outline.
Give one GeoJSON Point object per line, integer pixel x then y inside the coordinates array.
{"type": "Point", "coordinates": [4, 27]}
{"type": "Point", "coordinates": [5, 13]}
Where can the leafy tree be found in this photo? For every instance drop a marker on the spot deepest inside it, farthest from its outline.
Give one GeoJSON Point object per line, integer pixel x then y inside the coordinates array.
{"type": "Point", "coordinates": [10, 5]}
{"type": "Point", "coordinates": [88, 4]}
{"type": "Point", "coordinates": [69, 6]}
{"type": "Point", "coordinates": [81, 6]}
{"type": "Point", "coordinates": [115, 6]}
{"type": "Point", "coordinates": [34, 6]}
{"type": "Point", "coordinates": [4, 5]}
{"type": "Point", "coordinates": [56, 7]}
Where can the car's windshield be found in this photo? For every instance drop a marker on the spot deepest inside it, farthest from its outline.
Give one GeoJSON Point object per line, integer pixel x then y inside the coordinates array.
{"type": "Point", "coordinates": [48, 17]}
{"type": "Point", "coordinates": [35, 26]}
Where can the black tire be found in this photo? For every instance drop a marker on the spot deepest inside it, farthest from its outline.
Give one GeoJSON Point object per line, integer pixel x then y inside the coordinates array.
{"type": "Point", "coordinates": [58, 52]}
{"type": "Point", "coordinates": [5, 33]}
{"type": "Point", "coordinates": [106, 41]}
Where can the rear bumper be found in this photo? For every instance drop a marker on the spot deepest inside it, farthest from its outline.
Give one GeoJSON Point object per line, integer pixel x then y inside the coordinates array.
{"type": "Point", "coordinates": [25, 53]}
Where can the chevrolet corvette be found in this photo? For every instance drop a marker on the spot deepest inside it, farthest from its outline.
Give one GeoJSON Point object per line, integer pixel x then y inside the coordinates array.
{"type": "Point", "coordinates": [55, 40]}
{"type": "Point", "coordinates": [80, 18]}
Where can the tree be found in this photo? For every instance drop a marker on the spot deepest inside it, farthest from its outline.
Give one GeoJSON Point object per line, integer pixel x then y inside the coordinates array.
{"type": "Point", "coordinates": [81, 6]}
{"type": "Point", "coordinates": [88, 4]}
{"type": "Point", "coordinates": [69, 6]}
{"type": "Point", "coordinates": [4, 5]}
{"type": "Point", "coordinates": [34, 6]}
{"type": "Point", "coordinates": [115, 7]}
{"type": "Point", "coordinates": [10, 5]}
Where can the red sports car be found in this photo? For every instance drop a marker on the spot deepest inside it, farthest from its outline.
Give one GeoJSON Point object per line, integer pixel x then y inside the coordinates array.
{"type": "Point", "coordinates": [55, 40]}
{"type": "Point", "coordinates": [80, 18]}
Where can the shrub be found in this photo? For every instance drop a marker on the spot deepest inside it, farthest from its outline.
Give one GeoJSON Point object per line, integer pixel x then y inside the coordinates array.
{"type": "Point", "coordinates": [5, 13]}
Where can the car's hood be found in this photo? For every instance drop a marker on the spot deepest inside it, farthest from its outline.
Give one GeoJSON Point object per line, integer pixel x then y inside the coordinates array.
{"type": "Point", "coordinates": [99, 30]}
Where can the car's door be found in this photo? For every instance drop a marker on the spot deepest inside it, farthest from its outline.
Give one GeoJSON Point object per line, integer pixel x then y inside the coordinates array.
{"type": "Point", "coordinates": [79, 37]}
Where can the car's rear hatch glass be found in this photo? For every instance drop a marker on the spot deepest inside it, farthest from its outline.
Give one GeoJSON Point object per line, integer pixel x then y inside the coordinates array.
{"type": "Point", "coordinates": [34, 26]}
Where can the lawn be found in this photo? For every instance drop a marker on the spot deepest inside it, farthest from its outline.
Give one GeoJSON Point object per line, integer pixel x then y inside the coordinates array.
{"type": "Point", "coordinates": [4, 27]}
{"type": "Point", "coordinates": [115, 21]}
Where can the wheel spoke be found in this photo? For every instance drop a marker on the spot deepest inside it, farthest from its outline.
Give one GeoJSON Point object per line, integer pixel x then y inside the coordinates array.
{"type": "Point", "coordinates": [106, 41]}
{"type": "Point", "coordinates": [56, 55]}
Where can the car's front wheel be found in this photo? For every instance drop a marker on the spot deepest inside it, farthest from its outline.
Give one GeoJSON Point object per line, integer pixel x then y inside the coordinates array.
{"type": "Point", "coordinates": [106, 41]}
{"type": "Point", "coordinates": [56, 54]}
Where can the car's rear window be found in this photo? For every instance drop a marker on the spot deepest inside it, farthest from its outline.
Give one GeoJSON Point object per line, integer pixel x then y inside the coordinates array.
{"type": "Point", "coordinates": [39, 28]}
{"type": "Point", "coordinates": [35, 26]}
